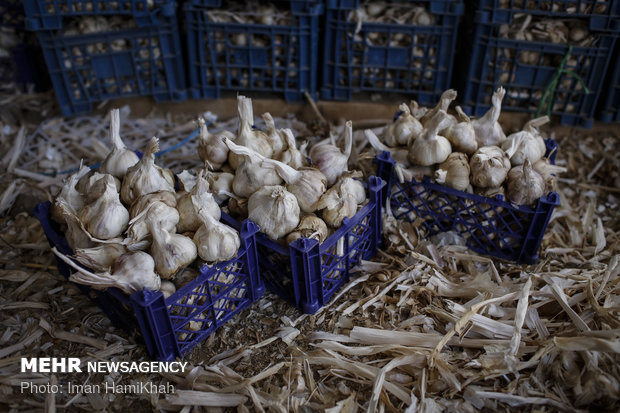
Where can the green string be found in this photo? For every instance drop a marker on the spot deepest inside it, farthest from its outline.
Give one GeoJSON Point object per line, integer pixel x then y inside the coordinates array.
{"type": "Point", "coordinates": [547, 97]}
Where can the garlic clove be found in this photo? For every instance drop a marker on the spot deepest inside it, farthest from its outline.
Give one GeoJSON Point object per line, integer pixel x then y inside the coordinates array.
{"type": "Point", "coordinates": [120, 158]}
{"type": "Point", "coordinates": [101, 257]}
{"type": "Point", "coordinates": [275, 210]}
{"type": "Point", "coordinates": [106, 217]}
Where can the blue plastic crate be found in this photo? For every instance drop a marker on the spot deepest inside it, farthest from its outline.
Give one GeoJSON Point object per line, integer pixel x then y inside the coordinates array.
{"type": "Point", "coordinates": [300, 6]}
{"type": "Point", "coordinates": [307, 273]}
{"type": "Point", "coordinates": [164, 323]}
{"type": "Point", "coordinates": [12, 14]}
{"type": "Point", "coordinates": [275, 59]}
{"type": "Point", "coordinates": [490, 226]}
{"type": "Point", "coordinates": [49, 14]}
{"type": "Point", "coordinates": [602, 15]}
{"type": "Point", "coordinates": [354, 63]}
{"type": "Point", "coordinates": [610, 101]}
{"type": "Point", "coordinates": [89, 68]}
{"type": "Point", "coordinates": [496, 61]}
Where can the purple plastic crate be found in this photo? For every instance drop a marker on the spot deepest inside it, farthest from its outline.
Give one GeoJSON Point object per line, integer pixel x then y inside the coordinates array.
{"type": "Point", "coordinates": [491, 226]}
{"type": "Point", "coordinates": [306, 273]}
{"type": "Point", "coordinates": [207, 302]}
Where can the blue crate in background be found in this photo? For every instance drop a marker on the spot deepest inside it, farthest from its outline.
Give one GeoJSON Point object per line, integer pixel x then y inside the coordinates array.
{"type": "Point", "coordinates": [235, 57]}
{"type": "Point", "coordinates": [602, 15]}
{"type": "Point", "coordinates": [307, 273]}
{"type": "Point", "coordinates": [89, 68]}
{"type": "Point", "coordinates": [490, 226]}
{"type": "Point", "coordinates": [171, 327]}
{"type": "Point", "coordinates": [419, 64]}
{"type": "Point", "coordinates": [12, 14]}
{"type": "Point", "coordinates": [610, 101]}
{"type": "Point", "coordinates": [496, 61]}
{"type": "Point", "coordinates": [300, 6]}
{"type": "Point", "coordinates": [49, 14]}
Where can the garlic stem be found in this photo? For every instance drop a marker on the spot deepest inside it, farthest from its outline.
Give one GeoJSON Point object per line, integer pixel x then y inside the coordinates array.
{"type": "Point", "coordinates": [115, 129]}
{"type": "Point", "coordinates": [287, 173]}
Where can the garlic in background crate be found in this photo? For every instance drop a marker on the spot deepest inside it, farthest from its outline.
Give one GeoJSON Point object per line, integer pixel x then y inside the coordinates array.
{"type": "Point", "coordinates": [131, 272]}
{"type": "Point", "coordinates": [211, 148]}
{"type": "Point", "coordinates": [255, 140]}
{"type": "Point", "coordinates": [276, 140]}
{"type": "Point", "coordinates": [403, 130]}
{"type": "Point", "coordinates": [444, 103]}
{"type": "Point", "coordinates": [120, 158]}
{"type": "Point", "coordinates": [526, 144]}
{"type": "Point", "coordinates": [310, 226]}
{"type": "Point", "coordinates": [251, 175]}
{"type": "Point", "coordinates": [430, 148]}
{"type": "Point", "coordinates": [170, 251]}
{"type": "Point", "coordinates": [101, 257]}
{"type": "Point", "coordinates": [291, 155]}
{"type": "Point", "coordinates": [186, 205]}
{"type": "Point", "coordinates": [330, 160]}
{"type": "Point", "coordinates": [307, 184]}
{"type": "Point", "coordinates": [489, 167]}
{"type": "Point", "coordinates": [454, 171]}
{"type": "Point", "coordinates": [214, 240]}
{"type": "Point", "coordinates": [525, 185]}
{"type": "Point", "coordinates": [106, 217]}
{"type": "Point", "coordinates": [275, 210]}
{"type": "Point", "coordinates": [462, 135]}
{"type": "Point", "coordinates": [488, 130]}
{"type": "Point", "coordinates": [146, 177]}
{"type": "Point", "coordinates": [69, 194]}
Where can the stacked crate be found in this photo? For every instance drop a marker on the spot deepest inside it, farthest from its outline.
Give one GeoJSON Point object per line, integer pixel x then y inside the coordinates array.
{"type": "Point", "coordinates": [101, 49]}
{"type": "Point", "coordinates": [529, 69]}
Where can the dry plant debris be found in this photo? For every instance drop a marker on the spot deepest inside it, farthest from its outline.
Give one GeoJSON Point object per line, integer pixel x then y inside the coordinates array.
{"type": "Point", "coordinates": [423, 327]}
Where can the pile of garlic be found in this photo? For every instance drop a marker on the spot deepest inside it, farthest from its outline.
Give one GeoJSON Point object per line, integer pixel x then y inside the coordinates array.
{"type": "Point", "coordinates": [472, 155]}
{"type": "Point", "coordinates": [129, 225]}
{"type": "Point", "coordinates": [263, 175]}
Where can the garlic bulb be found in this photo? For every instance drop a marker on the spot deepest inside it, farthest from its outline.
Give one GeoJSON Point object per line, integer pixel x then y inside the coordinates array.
{"type": "Point", "coordinates": [462, 135]}
{"type": "Point", "coordinates": [256, 140]}
{"type": "Point", "coordinates": [106, 217]}
{"type": "Point", "coordinates": [221, 185]}
{"type": "Point", "coordinates": [307, 184]}
{"type": "Point", "coordinates": [526, 144]}
{"type": "Point", "coordinates": [146, 177]}
{"type": "Point", "coordinates": [120, 158]}
{"type": "Point", "coordinates": [131, 272]}
{"type": "Point", "coordinates": [101, 257]}
{"type": "Point", "coordinates": [347, 185]}
{"type": "Point", "coordinates": [525, 185]}
{"type": "Point", "coordinates": [454, 171]}
{"type": "Point", "coordinates": [215, 241]}
{"type": "Point", "coordinates": [274, 136]}
{"type": "Point", "coordinates": [199, 195]}
{"type": "Point", "coordinates": [69, 194]}
{"type": "Point", "coordinates": [211, 148]}
{"type": "Point", "coordinates": [275, 210]}
{"type": "Point", "coordinates": [489, 167]}
{"type": "Point", "coordinates": [310, 226]}
{"type": "Point", "coordinates": [487, 128]}
{"type": "Point", "coordinates": [238, 207]}
{"type": "Point", "coordinates": [490, 192]}
{"type": "Point", "coordinates": [444, 103]}
{"type": "Point", "coordinates": [335, 207]}
{"type": "Point", "coordinates": [548, 172]}
{"type": "Point", "coordinates": [76, 234]}
{"type": "Point", "coordinates": [138, 233]}
{"type": "Point", "coordinates": [168, 288]}
{"type": "Point", "coordinates": [91, 186]}
{"type": "Point", "coordinates": [291, 155]}
{"type": "Point", "coordinates": [251, 175]}
{"type": "Point", "coordinates": [330, 160]}
{"type": "Point", "coordinates": [187, 180]}
{"type": "Point", "coordinates": [170, 251]}
{"type": "Point", "coordinates": [430, 148]}
{"type": "Point", "coordinates": [145, 201]}
{"type": "Point", "coordinates": [400, 155]}
{"type": "Point", "coordinates": [416, 110]}
{"type": "Point", "coordinates": [404, 129]}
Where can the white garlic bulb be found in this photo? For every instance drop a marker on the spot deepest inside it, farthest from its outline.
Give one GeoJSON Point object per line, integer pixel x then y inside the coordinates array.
{"type": "Point", "coordinates": [444, 104]}
{"type": "Point", "coordinates": [120, 158]}
{"type": "Point", "coordinates": [256, 140]}
{"type": "Point", "coordinates": [527, 143]}
{"type": "Point", "coordinates": [69, 194]}
{"type": "Point", "coordinates": [404, 129]}
{"type": "Point", "coordinates": [335, 207]}
{"type": "Point", "coordinates": [275, 210]}
{"type": "Point", "coordinates": [525, 185]}
{"type": "Point", "coordinates": [251, 175]}
{"type": "Point", "coordinates": [488, 130]}
{"type": "Point", "coordinates": [145, 201]}
{"type": "Point", "coordinates": [146, 177]}
{"type": "Point", "coordinates": [548, 172]}
{"type": "Point", "coordinates": [276, 140]}
{"type": "Point", "coordinates": [211, 148]}
{"type": "Point", "coordinates": [187, 180]}
{"type": "Point", "coordinates": [131, 272]}
{"type": "Point", "coordinates": [91, 186]}
{"type": "Point", "coordinates": [348, 186]}
{"type": "Point", "coordinates": [430, 148]}
{"type": "Point", "coordinates": [462, 135]}
{"type": "Point", "coordinates": [76, 234]}
{"type": "Point", "coordinates": [400, 155]}
{"type": "Point", "coordinates": [221, 185]}
{"type": "Point", "coordinates": [307, 184]}
{"type": "Point", "coordinates": [330, 160]}
{"type": "Point", "coordinates": [168, 288]}
{"type": "Point", "coordinates": [101, 257]}
{"type": "Point", "coordinates": [291, 155]}
{"type": "Point", "coordinates": [310, 226]}
{"type": "Point", "coordinates": [138, 232]}
{"type": "Point", "coordinates": [170, 251]}
{"type": "Point", "coordinates": [106, 217]}
{"type": "Point", "coordinates": [199, 195]}
{"type": "Point", "coordinates": [489, 167]}
{"type": "Point", "coordinates": [214, 240]}
{"type": "Point", "coordinates": [454, 171]}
